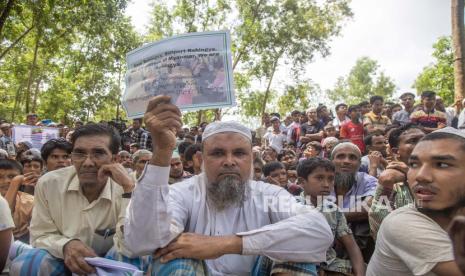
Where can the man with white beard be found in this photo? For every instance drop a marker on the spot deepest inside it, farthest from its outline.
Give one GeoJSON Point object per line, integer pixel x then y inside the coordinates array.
{"type": "Point", "coordinates": [222, 215]}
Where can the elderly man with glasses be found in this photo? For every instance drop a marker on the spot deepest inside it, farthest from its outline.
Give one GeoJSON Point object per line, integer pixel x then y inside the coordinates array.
{"type": "Point", "coordinates": [78, 210]}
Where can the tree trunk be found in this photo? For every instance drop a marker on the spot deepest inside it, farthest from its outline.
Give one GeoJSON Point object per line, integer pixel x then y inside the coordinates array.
{"type": "Point", "coordinates": [199, 117]}
{"type": "Point", "coordinates": [17, 101]}
{"type": "Point", "coordinates": [31, 73]}
{"type": "Point", "coordinates": [4, 15]}
{"type": "Point", "coordinates": [458, 38]}
{"type": "Point", "coordinates": [267, 92]}
{"type": "Point", "coordinates": [35, 96]}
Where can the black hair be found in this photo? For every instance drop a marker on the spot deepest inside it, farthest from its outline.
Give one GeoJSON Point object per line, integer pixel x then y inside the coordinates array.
{"type": "Point", "coordinates": [394, 136]}
{"type": "Point", "coordinates": [407, 94]}
{"type": "Point", "coordinates": [368, 140]}
{"type": "Point", "coordinates": [376, 98]}
{"type": "Point", "coordinates": [8, 164]}
{"type": "Point", "coordinates": [191, 151]}
{"type": "Point", "coordinates": [292, 167]}
{"type": "Point", "coordinates": [395, 105]}
{"type": "Point", "coordinates": [353, 107]}
{"type": "Point", "coordinates": [295, 112]}
{"type": "Point", "coordinates": [316, 145]}
{"type": "Point", "coordinates": [362, 103]}
{"type": "Point", "coordinates": [307, 166]}
{"type": "Point", "coordinates": [275, 114]}
{"type": "Point", "coordinates": [339, 105]}
{"type": "Point", "coordinates": [58, 143]}
{"type": "Point", "coordinates": [443, 135]}
{"type": "Point", "coordinates": [98, 130]}
{"type": "Point", "coordinates": [271, 167]}
{"type": "Point", "coordinates": [428, 94]}
{"type": "Point", "coordinates": [183, 146]}
{"type": "Point", "coordinates": [320, 107]}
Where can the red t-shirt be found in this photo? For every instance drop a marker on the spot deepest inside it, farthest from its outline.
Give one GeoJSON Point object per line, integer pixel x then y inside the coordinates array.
{"type": "Point", "coordinates": [353, 132]}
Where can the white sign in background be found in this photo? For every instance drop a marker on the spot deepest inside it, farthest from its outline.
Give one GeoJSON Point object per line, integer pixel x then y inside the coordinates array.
{"type": "Point", "coordinates": [34, 134]}
{"type": "Point", "coordinates": [195, 69]}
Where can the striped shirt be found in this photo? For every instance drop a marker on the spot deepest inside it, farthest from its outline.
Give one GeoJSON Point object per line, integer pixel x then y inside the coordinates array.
{"type": "Point", "coordinates": [431, 119]}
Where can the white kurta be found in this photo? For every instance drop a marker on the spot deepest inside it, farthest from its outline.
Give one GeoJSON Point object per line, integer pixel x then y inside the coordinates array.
{"type": "Point", "coordinates": [270, 222]}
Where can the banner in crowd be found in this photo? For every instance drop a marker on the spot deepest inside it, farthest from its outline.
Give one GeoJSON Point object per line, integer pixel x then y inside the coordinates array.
{"type": "Point", "coordinates": [36, 135]}
{"type": "Point", "coordinates": [194, 69]}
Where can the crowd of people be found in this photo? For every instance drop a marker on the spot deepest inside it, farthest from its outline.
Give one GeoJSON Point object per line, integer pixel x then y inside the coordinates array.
{"type": "Point", "coordinates": [376, 189]}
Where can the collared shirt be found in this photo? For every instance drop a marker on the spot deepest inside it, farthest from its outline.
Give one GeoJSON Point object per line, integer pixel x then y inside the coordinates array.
{"type": "Point", "coordinates": [142, 138]}
{"type": "Point", "coordinates": [377, 121]}
{"type": "Point", "coordinates": [431, 119]}
{"type": "Point", "coordinates": [270, 221]}
{"type": "Point", "coordinates": [401, 117]}
{"type": "Point", "coordinates": [62, 213]}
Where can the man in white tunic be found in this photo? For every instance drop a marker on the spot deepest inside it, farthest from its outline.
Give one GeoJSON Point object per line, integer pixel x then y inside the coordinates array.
{"type": "Point", "coordinates": [222, 215]}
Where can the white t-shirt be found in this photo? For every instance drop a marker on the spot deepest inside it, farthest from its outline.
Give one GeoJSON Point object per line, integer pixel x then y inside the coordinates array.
{"type": "Point", "coordinates": [6, 221]}
{"type": "Point", "coordinates": [275, 140]}
{"type": "Point", "coordinates": [409, 243]}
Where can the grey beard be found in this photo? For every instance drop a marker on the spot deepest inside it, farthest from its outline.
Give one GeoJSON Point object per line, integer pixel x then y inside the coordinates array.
{"type": "Point", "coordinates": [344, 181]}
{"type": "Point", "coordinates": [229, 191]}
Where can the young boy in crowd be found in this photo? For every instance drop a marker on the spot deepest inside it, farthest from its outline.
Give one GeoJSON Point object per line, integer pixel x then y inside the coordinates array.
{"type": "Point", "coordinates": [317, 178]}
{"type": "Point", "coordinates": [292, 174]}
{"type": "Point", "coordinates": [20, 203]}
{"type": "Point", "coordinates": [329, 131]}
{"type": "Point", "coordinates": [275, 173]}
{"type": "Point", "coordinates": [33, 165]}
{"type": "Point", "coordinates": [313, 149]}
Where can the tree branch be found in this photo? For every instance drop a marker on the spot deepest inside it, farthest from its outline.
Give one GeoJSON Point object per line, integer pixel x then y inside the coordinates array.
{"type": "Point", "coordinates": [15, 42]}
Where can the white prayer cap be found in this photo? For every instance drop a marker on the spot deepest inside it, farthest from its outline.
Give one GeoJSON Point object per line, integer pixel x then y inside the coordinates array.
{"type": "Point", "coordinates": [451, 130]}
{"type": "Point", "coordinates": [229, 126]}
{"type": "Point", "coordinates": [345, 144]}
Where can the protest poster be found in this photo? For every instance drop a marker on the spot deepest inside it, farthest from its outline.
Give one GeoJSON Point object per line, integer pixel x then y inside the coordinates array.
{"type": "Point", "coordinates": [194, 69]}
{"type": "Point", "coordinates": [36, 135]}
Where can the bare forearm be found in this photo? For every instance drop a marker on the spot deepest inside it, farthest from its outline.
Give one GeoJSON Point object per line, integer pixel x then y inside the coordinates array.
{"type": "Point", "coordinates": [161, 157]}
{"type": "Point", "coordinates": [355, 255]}
{"type": "Point", "coordinates": [10, 195]}
{"type": "Point", "coordinates": [314, 137]}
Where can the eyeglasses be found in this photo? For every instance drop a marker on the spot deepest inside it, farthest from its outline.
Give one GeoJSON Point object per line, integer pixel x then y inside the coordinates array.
{"type": "Point", "coordinates": [80, 156]}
